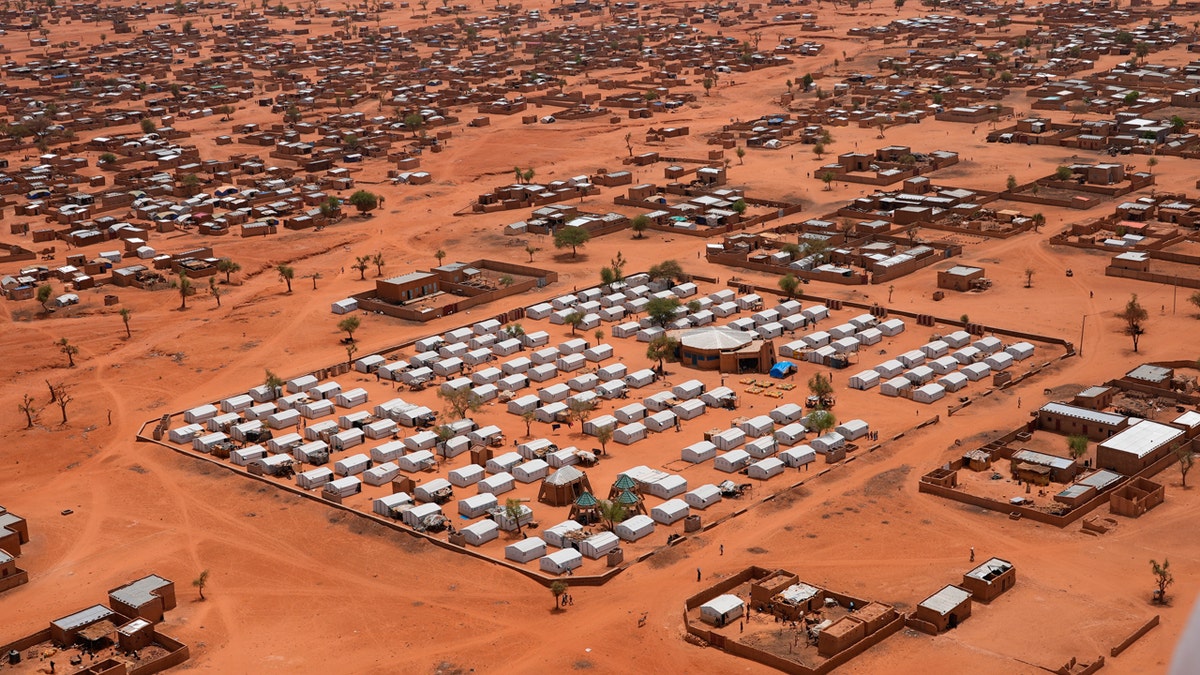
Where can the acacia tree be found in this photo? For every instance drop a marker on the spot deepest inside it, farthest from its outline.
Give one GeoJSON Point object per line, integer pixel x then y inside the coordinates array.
{"type": "Point", "coordinates": [1029, 277]}
{"type": "Point", "coordinates": [788, 283]}
{"type": "Point", "coordinates": [200, 582]}
{"type": "Point", "coordinates": [528, 417]}
{"type": "Point", "coordinates": [668, 270]}
{"type": "Point", "coordinates": [662, 310]}
{"type": "Point", "coordinates": [572, 238]}
{"type": "Point", "coordinates": [513, 508]}
{"type": "Point", "coordinates": [350, 324]}
{"type": "Point", "coordinates": [69, 349]}
{"type": "Point", "coordinates": [287, 273]}
{"type": "Point", "coordinates": [557, 589]}
{"type": "Point", "coordinates": [1162, 578]}
{"type": "Point", "coordinates": [378, 261]}
{"type": "Point", "coordinates": [1134, 315]}
{"type": "Point", "coordinates": [821, 421]}
{"type": "Point", "coordinates": [662, 348]}
{"type": "Point", "coordinates": [440, 255]}
{"type": "Point", "coordinates": [364, 201]}
{"type": "Point", "coordinates": [603, 435]}
{"type": "Point", "coordinates": [820, 385]}
{"type": "Point", "coordinates": [61, 396]}
{"type": "Point", "coordinates": [639, 225]}
{"type": "Point", "coordinates": [362, 263]}
{"type": "Point", "coordinates": [460, 402]}
{"type": "Point", "coordinates": [274, 383]}
{"type": "Point", "coordinates": [228, 267]}
{"type": "Point", "coordinates": [611, 513]}
{"type": "Point", "coordinates": [573, 320]}
{"type": "Point", "coordinates": [1077, 445]}
{"type": "Point", "coordinates": [531, 249]}
{"type": "Point", "coordinates": [215, 290]}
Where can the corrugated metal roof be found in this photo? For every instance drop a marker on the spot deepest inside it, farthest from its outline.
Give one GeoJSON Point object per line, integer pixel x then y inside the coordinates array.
{"type": "Point", "coordinates": [139, 592]}
{"type": "Point", "coordinates": [944, 601]}
{"type": "Point", "coordinates": [1043, 459]}
{"type": "Point", "coordinates": [83, 617]}
{"type": "Point", "coordinates": [1085, 414]}
{"type": "Point", "coordinates": [1142, 438]}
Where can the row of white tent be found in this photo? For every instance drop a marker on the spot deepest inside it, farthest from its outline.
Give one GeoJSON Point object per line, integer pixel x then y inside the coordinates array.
{"type": "Point", "coordinates": [930, 380]}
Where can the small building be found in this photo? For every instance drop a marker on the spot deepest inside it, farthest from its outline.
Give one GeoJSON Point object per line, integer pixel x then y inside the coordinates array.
{"type": "Point", "coordinates": [1138, 446]}
{"type": "Point", "coordinates": [1063, 418]}
{"type": "Point", "coordinates": [1041, 469]}
{"type": "Point", "coordinates": [147, 598]}
{"type": "Point", "coordinates": [989, 580]}
{"type": "Point", "coordinates": [722, 610]}
{"type": "Point", "coordinates": [945, 609]}
{"type": "Point", "coordinates": [960, 278]}
{"type": "Point", "coordinates": [1136, 497]}
{"type": "Point", "coordinates": [725, 349]}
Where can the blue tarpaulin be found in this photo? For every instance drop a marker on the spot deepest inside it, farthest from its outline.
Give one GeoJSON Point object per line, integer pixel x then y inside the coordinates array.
{"type": "Point", "coordinates": [782, 369]}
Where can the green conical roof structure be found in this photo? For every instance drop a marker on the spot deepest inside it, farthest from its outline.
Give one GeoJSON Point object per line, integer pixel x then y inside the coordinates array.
{"type": "Point", "coordinates": [586, 500]}
{"type": "Point", "coordinates": [627, 498]}
{"type": "Point", "coordinates": [624, 482]}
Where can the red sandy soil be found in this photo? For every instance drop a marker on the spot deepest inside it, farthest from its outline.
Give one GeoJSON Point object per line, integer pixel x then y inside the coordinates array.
{"type": "Point", "coordinates": [296, 586]}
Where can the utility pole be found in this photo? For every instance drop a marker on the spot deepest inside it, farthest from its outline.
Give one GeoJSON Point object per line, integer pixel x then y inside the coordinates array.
{"type": "Point", "coordinates": [1082, 324]}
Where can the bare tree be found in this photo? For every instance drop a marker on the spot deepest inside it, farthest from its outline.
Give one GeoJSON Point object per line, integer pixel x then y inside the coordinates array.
{"type": "Point", "coordinates": [1134, 315]}
{"type": "Point", "coordinates": [31, 411]}
{"type": "Point", "coordinates": [62, 397]}
{"type": "Point", "coordinates": [69, 349]}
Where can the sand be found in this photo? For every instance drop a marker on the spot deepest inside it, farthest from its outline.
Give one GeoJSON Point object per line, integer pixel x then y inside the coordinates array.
{"type": "Point", "coordinates": [295, 586]}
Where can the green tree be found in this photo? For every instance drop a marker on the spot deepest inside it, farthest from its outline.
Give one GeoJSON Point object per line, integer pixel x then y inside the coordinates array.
{"type": "Point", "coordinates": [148, 126]}
{"type": "Point", "coordinates": [125, 313]}
{"type": "Point", "coordinates": [378, 261]}
{"type": "Point", "coordinates": [1029, 277]}
{"type": "Point", "coordinates": [200, 582]}
{"type": "Point", "coordinates": [612, 513]}
{"type": "Point", "coordinates": [528, 418]}
{"type": "Point", "coordinates": [414, 122]}
{"type": "Point", "coordinates": [286, 274]}
{"type": "Point", "coordinates": [1134, 316]}
{"type": "Point", "coordinates": [668, 270]}
{"type": "Point", "coordinates": [69, 349]}
{"type": "Point", "coordinates": [1178, 124]}
{"type": "Point", "coordinates": [227, 266]}
{"type": "Point", "coordinates": [557, 589]}
{"type": "Point", "coordinates": [43, 294]}
{"type": "Point", "coordinates": [662, 349]}
{"type": "Point", "coordinates": [741, 154]}
{"type": "Point", "coordinates": [603, 435]}
{"type": "Point", "coordinates": [531, 249]}
{"type": "Point", "coordinates": [788, 283]}
{"type": "Point", "coordinates": [1162, 579]}
{"type": "Point", "coordinates": [1077, 445]}
{"type": "Point", "coordinates": [107, 158]}
{"type": "Point", "coordinates": [364, 201]}
{"type": "Point", "coordinates": [819, 149]}
{"type": "Point", "coordinates": [292, 115]}
{"type": "Point", "coordinates": [460, 402]}
{"type": "Point", "coordinates": [708, 85]}
{"type": "Point", "coordinates": [662, 311]}
{"type": "Point", "coordinates": [572, 238]}
{"type": "Point", "coordinates": [816, 247]}
{"type": "Point", "coordinates": [1011, 183]}
{"type": "Point", "coordinates": [331, 207]}
{"type": "Point", "coordinates": [513, 508]}
{"type": "Point", "coordinates": [821, 421]}
{"type": "Point", "coordinates": [1152, 162]}
{"type": "Point", "coordinates": [1063, 173]}
{"type": "Point", "coordinates": [274, 383]}
{"type": "Point", "coordinates": [1194, 298]}
{"type": "Point", "coordinates": [639, 225]}
{"type": "Point", "coordinates": [351, 350]}
{"type": "Point", "coordinates": [362, 263]}
{"type": "Point", "coordinates": [819, 385]}
{"type": "Point", "coordinates": [827, 177]}
{"type": "Point", "coordinates": [349, 324]}
{"type": "Point", "coordinates": [738, 207]}
{"type": "Point", "coordinates": [573, 320]}
{"type": "Point", "coordinates": [215, 290]}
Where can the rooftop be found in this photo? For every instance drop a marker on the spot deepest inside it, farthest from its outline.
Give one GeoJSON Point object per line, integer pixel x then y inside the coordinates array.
{"type": "Point", "coordinates": [990, 569]}
{"type": "Point", "coordinates": [1043, 459]}
{"type": "Point", "coordinates": [1149, 373]}
{"type": "Point", "coordinates": [945, 600]}
{"type": "Point", "coordinates": [140, 592]}
{"type": "Point", "coordinates": [1085, 414]}
{"type": "Point", "coordinates": [1142, 438]}
{"type": "Point", "coordinates": [83, 617]}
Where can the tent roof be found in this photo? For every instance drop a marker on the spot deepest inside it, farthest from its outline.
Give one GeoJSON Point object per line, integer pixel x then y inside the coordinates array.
{"type": "Point", "coordinates": [564, 476]}
{"type": "Point", "coordinates": [715, 337]}
{"type": "Point", "coordinates": [627, 497]}
{"type": "Point", "coordinates": [624, 482]}
{"type": "Point", "coordinates": [586, 500]}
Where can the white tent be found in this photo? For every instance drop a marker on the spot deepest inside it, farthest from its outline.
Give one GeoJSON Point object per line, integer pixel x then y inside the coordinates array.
{"type": "Point", "coordinates": [943, 365]}
{"type": "Point", "coordinates": [1020, 350]}
{"type": "Point", "coordinates": [953, 382]}
{"type": "Point", "coordinates": [891, 327]}
{"type": "Point", "coordinates": [701, 451]}
{"type": "Point", "coordinates": [929, 393]}
{"type": "Point", "coordinates": [761, 447]}
{"type": "Point", "coordinates": [718, 397]}
{"type": "Point", "coordinates": [630, 433]}
{"type": "Point", "coordinates": [633, 412]}
{"type": "Point", "coordinates": [422, 440]}
{"type": "Point", "coordinates": [615, 371]}
{"type": "Point", "coordinates": [765, 469]}
{"type": "Point", "coordinates": [639, 379]}
{"type": "Point", "coordinates": [382, 474]}
{"type": "Point", "coordinates": [343, 487]}
{"type": "Point", "coordinates": [533, 470]}
{"type": "Point", "coordinates": [478, 534]}
{"type": "Point", "coordinates": [828, 443]}
{"type": "Point", "coordinates": [389, 506]}
{"type": "Point", "coordinates": [670, 511]}
{"type": "Point", "coordinates": [787, 413]}
{"type": "Point", "coordinates": [912, 358]}
{"type": "Point", "coordinates": [864, 380]}
{"type": "Point", "coordinates": [476, 505]}
{"type": "Point", "coordinates": [895, 386]}
{"type": "Point", "coordinates": [999, 360]}
{"type": "Point", "coordinates": [988, 345]}
{"type": "Point", "coordinates": [732, 461]}
{"type": "Point", "coordinates": [667, 486]}
{"type": "Point", "coordinates": [416, 461]}
{"type": "Point", "coordinates": [976, 371]}
{"type": "Point", "coordinates": [525, 550]}
{"type": "Point", "coordinates": [514, 382]}
{"type": "Point", "coordinates": [428, 492]}
{"type": "Point", "coordinates": [689, 409]}
{"type": "Point", "coordinates": [798, 455]}
{"type": "Point", "coordinates": [599, 544]}
{"type": "Point", "coordinates": [556, 535]}
{"type": "Point", "coordinates": [920, 374]}
{"type": "Point", "coordinates": [760, 425]}
{"type": "Point", "coordinates": [728, 439]}
{"type": "Point", "coordinates": [889, 368]}
{"type": "Point", "coordinates": [415, 516]}
{"type": "Point", "coordinates": [703, 496]}
{"type": "Point", "coordinates": [633, 529]}
{"type": "Point", "coordinates": [352, 465]}
{"type": "Point", "coordinates": [466, 475]}
{"type": "Point", "coordinates": [935, 349]}
{"type": "Point", "coordinates": [561, 561]}
{"type": "Point", "coordinates": [660, 421]}
{"type": "Point", "coordinates": [503, 462]}
{"type": "Point", "coordinates": [791, 434]}
{"type": "Point", "coordinates": [722, 610]}
{"type": "Point", "coordinates": [314, 478]}
{"type": "Point", "coordinates": [497, 484]}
